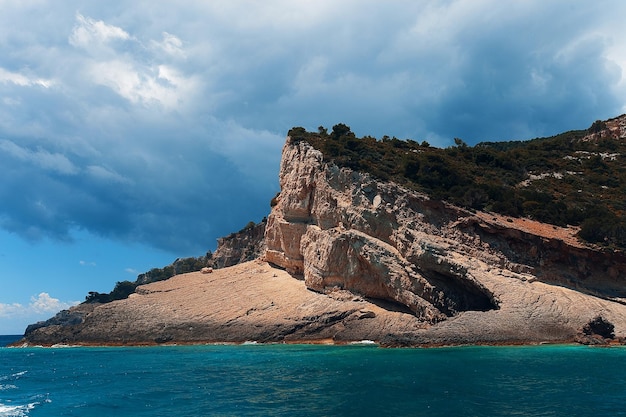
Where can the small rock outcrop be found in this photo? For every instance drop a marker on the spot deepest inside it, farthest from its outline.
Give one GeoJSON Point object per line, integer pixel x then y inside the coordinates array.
{"type": "Point", "coordinates": [64, 318]}
{"type": "Point", "coordinates": [242, 246]}
{"type": "Point", "coordinates": [598, 331]}
{"type": "Point", "coordinates": [601, 327]}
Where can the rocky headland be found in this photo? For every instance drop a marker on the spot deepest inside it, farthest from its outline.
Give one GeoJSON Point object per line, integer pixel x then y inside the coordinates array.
{"type": "Point", "coordinates": [346, 257]}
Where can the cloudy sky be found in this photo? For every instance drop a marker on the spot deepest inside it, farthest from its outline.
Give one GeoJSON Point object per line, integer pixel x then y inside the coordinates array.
{"type": "Point", "coordinates": [133, 133]}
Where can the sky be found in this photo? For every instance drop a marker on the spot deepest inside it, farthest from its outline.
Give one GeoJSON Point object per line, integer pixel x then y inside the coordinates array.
{"type": "Point", "coordinates": [134, 133]}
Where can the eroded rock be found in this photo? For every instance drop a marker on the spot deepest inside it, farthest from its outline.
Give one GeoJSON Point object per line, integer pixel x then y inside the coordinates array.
{"type": "Point", "coordinates": [340, 228]}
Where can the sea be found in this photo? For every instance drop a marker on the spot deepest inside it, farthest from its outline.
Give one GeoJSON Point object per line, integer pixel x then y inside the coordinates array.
{"type": "Point", "coordinates": [312, 380]}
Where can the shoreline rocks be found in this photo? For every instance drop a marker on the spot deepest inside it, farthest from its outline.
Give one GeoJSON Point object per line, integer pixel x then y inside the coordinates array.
{"type": "Point", "coordinates": [255, 301]}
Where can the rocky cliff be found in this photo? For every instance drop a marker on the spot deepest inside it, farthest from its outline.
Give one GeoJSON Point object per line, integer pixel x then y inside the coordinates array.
{"type": "Point", "coordinates": [337, 228]}
{"type": "Point", "coordinates": [239, 247]}
{"type": "Point", "coordinates": [348, 257]}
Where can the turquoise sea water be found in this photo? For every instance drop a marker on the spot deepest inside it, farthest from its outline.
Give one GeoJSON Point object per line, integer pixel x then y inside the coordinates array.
{"type": "Point", "coordinates": [301, 380]}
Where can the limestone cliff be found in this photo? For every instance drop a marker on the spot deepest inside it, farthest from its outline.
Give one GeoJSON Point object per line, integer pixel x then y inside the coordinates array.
{"type": "Point", "coordinates": [385, 263]}
{"type": "Point", "coordinates": [337, 228]}
{"type": "Point", "coordinates": [242, 246]}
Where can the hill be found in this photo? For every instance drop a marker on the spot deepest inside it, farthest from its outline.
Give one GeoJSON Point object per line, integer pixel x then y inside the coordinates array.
{"type": "Point", "coordinates": [575, 178]}
{"type": "Point", "coordinates": [410, 250]}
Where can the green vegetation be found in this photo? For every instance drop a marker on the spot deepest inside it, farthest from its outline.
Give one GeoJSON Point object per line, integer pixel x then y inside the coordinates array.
{"type": "Point", "coordinates": [124, 288]}
{"type": "Point", "coordinates": [567, 179]}
{"type": "Point", "coordinates": [179, 266]}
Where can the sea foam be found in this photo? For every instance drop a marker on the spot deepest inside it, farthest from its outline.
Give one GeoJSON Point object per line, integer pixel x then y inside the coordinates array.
{"type": "Point", "coordinates": [16, 410]}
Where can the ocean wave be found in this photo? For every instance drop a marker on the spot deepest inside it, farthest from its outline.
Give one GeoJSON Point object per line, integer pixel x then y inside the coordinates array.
{"type": "Point", "coordinates": [18, 407]}
{"type": "Point", "coordinates": [9, 410]}
{"type": "Point", "coordinates": [16, 410]}
{"type": "Point", "coordinates": [14, 376]}
{"type": "Point", "coordinates": [364, 342]}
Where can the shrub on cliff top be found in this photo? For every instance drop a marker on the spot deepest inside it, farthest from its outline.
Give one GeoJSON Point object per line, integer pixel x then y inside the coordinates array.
{"type": "Point", "coordinates": [560, 180]}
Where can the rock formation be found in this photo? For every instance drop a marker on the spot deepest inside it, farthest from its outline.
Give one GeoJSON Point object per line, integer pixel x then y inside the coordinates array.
{"type": "Point", "coordinates": [348, 257]}
{"type": "Point", "coordinates": [247, 302]}
{"type": "Point", "coordinates": [337, 228]}
{"type": "Point", "coordinates": [242, 246]}
{"type": "Point", "coordinates": [342, 228]}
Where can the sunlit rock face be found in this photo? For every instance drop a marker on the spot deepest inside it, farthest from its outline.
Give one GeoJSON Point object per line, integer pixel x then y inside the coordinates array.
{"type": "Point", "coordinates": [342, 229]}
{"type": "Point", "coordinates": [242, 246]}
{"type": "Point", "coordinates": [337, 228]}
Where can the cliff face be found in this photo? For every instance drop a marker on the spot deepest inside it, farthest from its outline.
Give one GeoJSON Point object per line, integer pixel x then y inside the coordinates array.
{"type": "Point", "coordinates": [342, 229]}
{"type": "Point", "coordinates": [339, 228]}
{"type": "Point", "coordinates": [243, 246]}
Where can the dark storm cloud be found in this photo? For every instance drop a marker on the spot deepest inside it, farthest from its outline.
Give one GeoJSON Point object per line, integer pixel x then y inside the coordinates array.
{"type": "Point", "coordinates": [163, 124]}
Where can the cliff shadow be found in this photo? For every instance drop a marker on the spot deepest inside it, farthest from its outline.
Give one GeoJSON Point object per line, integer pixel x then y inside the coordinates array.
{"type": "Point", "coordinates": [389, 305]}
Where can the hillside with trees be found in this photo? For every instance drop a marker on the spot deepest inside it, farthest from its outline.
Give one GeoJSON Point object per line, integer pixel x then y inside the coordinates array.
{"type": "Point", "coordinates": [576, 178]}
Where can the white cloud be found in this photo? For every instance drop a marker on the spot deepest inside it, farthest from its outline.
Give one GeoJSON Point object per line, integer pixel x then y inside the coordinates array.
{"type": "Point", "coordinates": [23, 80]}
{"type": "Point", "coordinates": [89, 33]}
{"type": "Point", "coordinates": [8, 310]}
{"type": "Point", "coordinates": [161, 84]}
{"type": "Point", "coordinates": [43, 303]}
{"type": "Point", "coordinates": [173, 112]}
{"type": "Point", "coordinates": [171, 45]}
{"type": "Point", "coordinates": [143, 75]}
